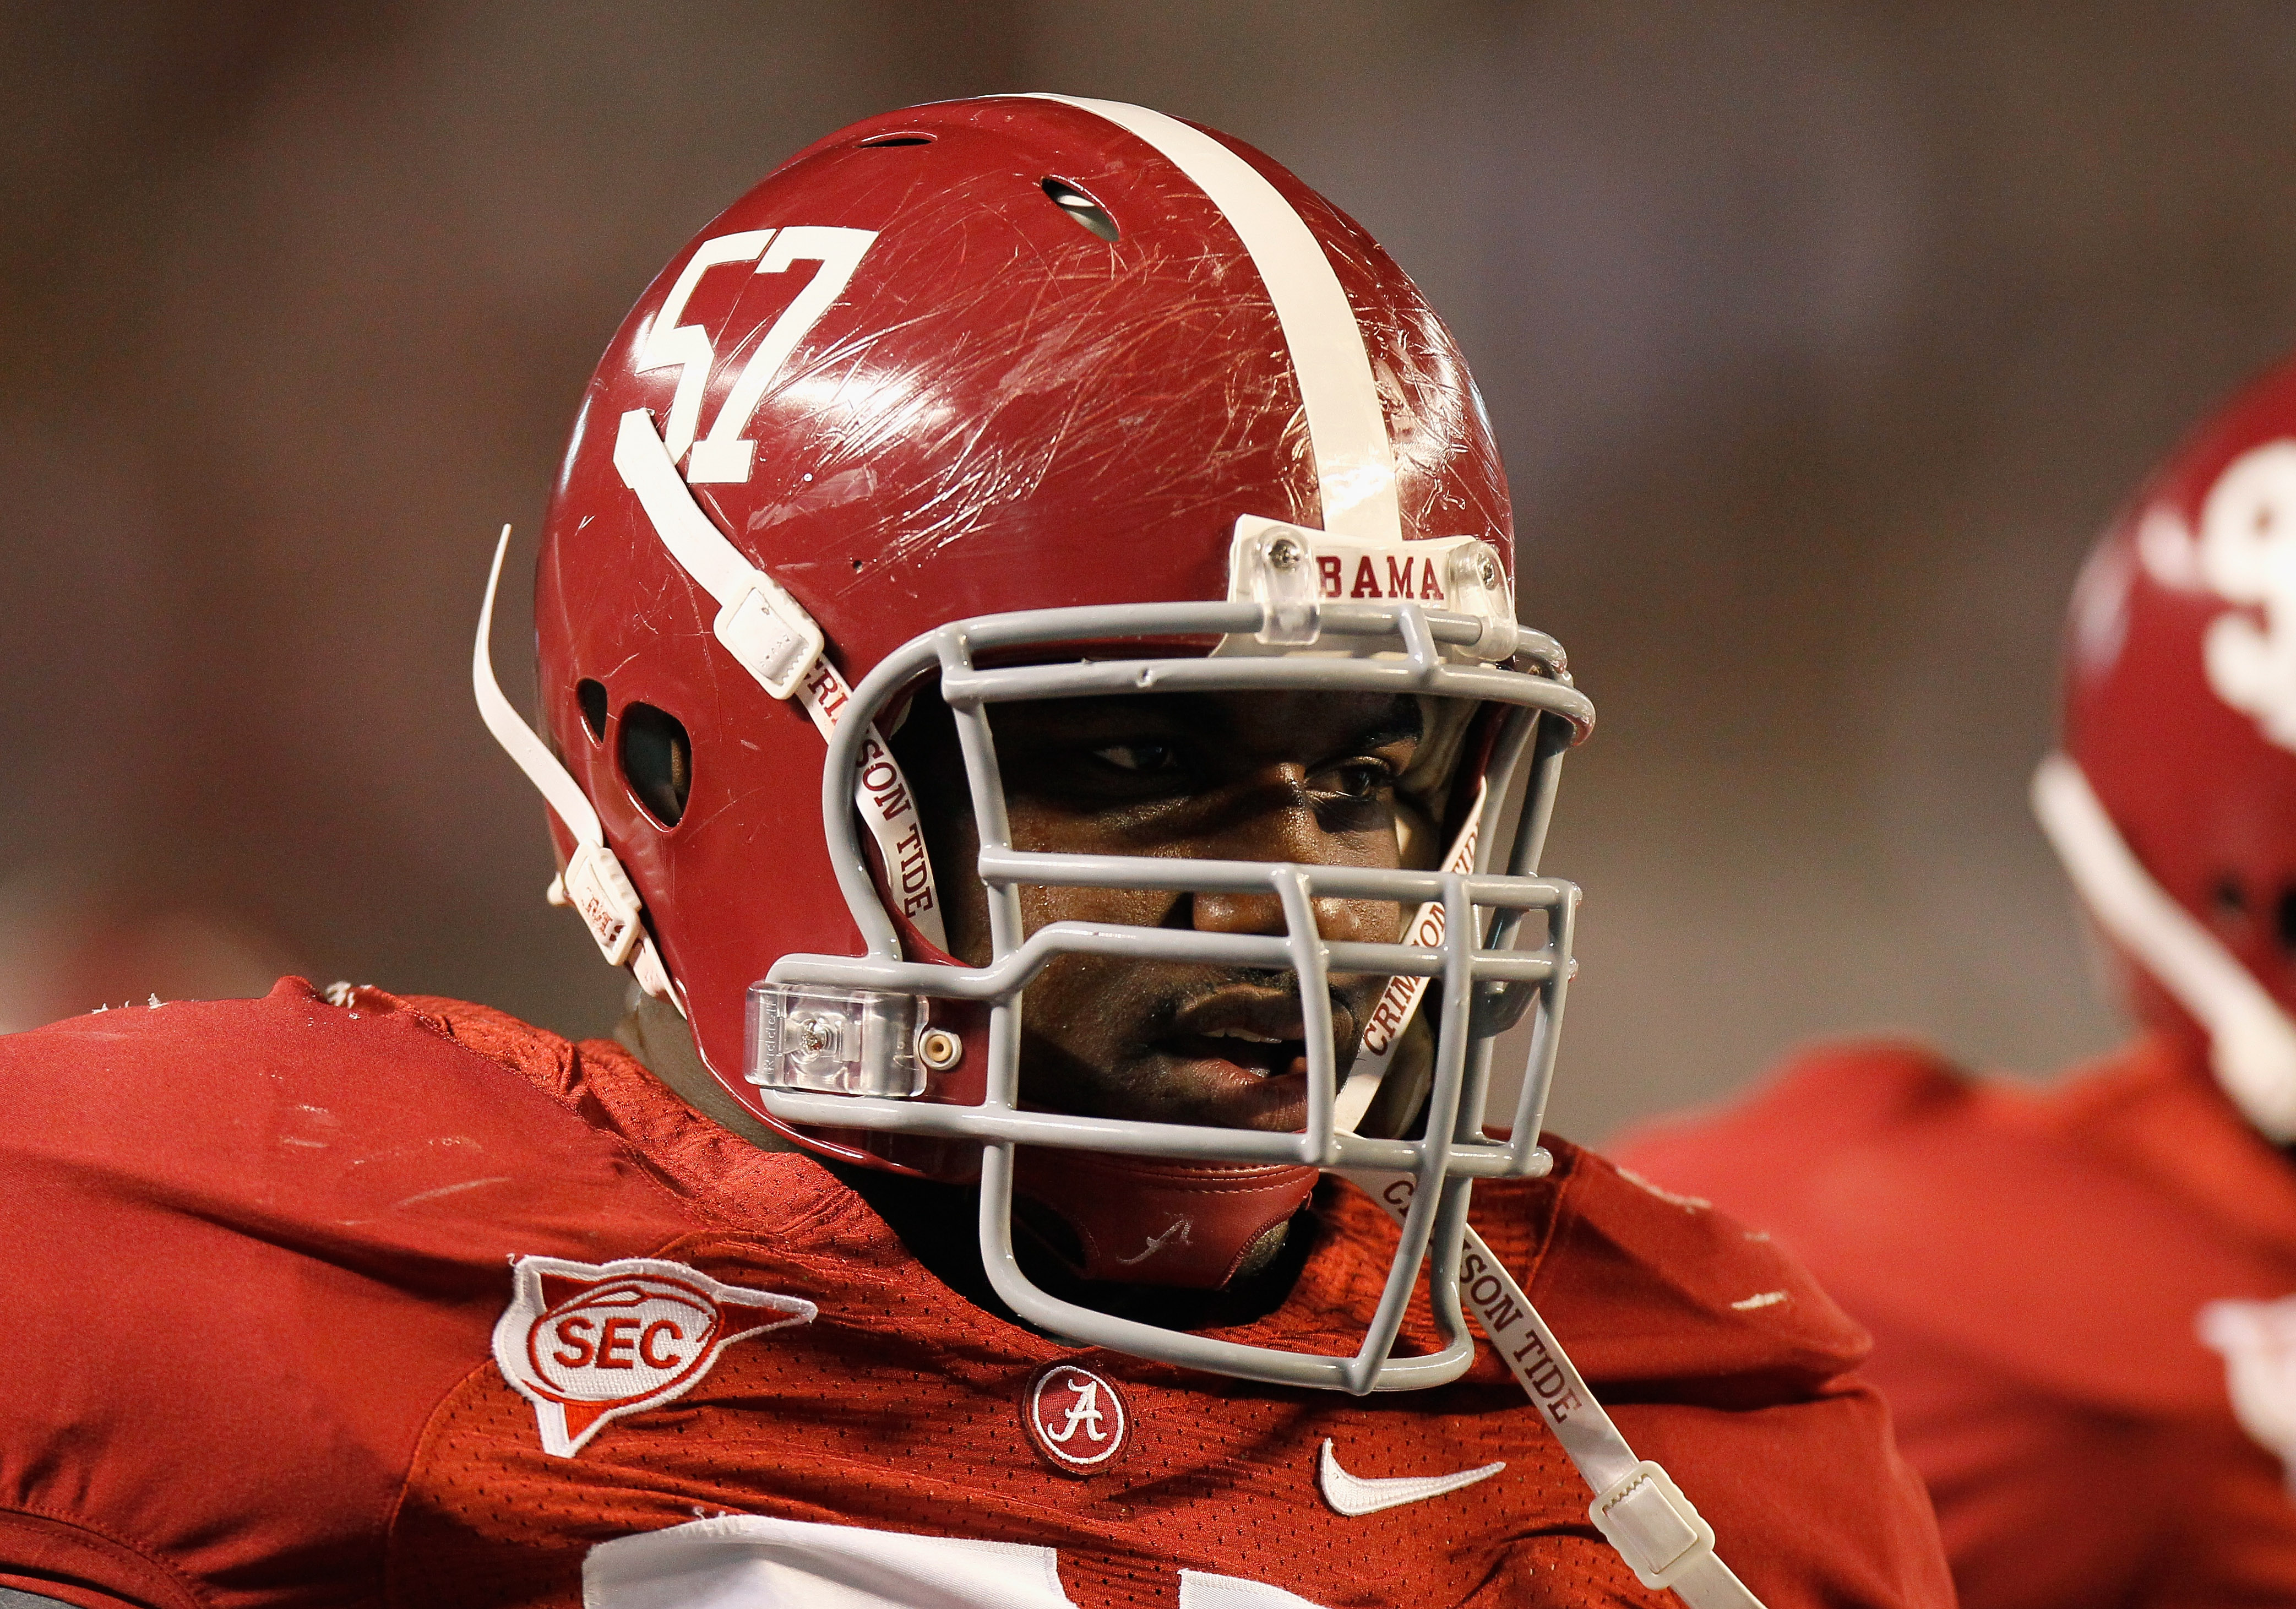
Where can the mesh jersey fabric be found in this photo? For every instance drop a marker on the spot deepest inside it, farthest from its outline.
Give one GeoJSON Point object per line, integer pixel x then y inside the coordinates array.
{"type": "Point", "coordinates": [2031, 1263]}
{"type": "Point", "coordinates": [263, 1246]}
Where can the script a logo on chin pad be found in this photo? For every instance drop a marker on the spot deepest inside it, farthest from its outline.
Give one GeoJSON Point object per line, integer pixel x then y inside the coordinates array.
{"type": "Point", "coordinates": [587, 1342]}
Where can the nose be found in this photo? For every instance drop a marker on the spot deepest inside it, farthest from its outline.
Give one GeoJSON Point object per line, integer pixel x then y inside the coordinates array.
{"type": "Point", "coordinates": [1286, 828]}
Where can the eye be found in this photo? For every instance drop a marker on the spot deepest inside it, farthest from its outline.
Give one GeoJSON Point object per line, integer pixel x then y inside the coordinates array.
{"type": "Point", "coordinates": [1137, 758]}
{"type": "Point", "coordinates": [1360, 779]}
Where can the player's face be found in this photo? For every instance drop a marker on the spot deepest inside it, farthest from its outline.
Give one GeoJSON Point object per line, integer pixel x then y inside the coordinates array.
{"type": "Point", "coordinates": [1288, 776]}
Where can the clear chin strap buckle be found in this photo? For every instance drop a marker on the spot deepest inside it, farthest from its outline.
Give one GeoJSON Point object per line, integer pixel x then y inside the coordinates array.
{"type": "Point", "coordinates": [841, 1041]}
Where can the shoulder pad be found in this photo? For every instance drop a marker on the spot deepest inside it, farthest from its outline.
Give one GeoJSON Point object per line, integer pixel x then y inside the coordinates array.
{"type": "Point", "coordinates": [1647, 1285]}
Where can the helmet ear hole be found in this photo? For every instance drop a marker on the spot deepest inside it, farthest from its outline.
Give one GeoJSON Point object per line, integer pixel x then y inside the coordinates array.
{"type": "Point", "coordinates": [657, 761]}
{"type": "Point", "coordinates": [590, 697]}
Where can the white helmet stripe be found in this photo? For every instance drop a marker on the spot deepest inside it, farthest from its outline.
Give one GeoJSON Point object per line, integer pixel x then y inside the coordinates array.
{"type": "Point", "coordinates": [1346, 428]}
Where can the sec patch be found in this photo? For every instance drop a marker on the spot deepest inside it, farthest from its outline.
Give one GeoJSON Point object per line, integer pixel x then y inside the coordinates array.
{"type": "Point", "coordinates": [587, 1342]}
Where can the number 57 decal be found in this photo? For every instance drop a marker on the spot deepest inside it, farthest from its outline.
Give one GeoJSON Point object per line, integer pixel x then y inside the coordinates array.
{"type": "Point", "coordinates": [724, 454]}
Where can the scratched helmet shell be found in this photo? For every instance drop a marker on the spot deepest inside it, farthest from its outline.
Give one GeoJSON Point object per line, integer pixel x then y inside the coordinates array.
{"type": "Point", "coordinates": [1032, 397]}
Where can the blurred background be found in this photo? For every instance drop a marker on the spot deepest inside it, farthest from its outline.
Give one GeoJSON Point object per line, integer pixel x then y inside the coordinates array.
{"type": "Point", "coordinates": [1820, 339]}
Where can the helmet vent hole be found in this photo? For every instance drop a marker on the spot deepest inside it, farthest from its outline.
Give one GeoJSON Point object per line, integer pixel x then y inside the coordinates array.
{"type": "Point", "coordinates": [590, 696]}
{"type": "Point", "coordinates": [657, 761]}
{"type": "Point", "coordinates": [884, 141]}
{"type": "Point", "coordinates": [2284, 919]}
{"type": "Point", "coordinates": [1082, 207]}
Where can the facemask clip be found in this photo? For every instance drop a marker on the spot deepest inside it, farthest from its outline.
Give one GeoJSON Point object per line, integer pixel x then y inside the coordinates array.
{"type": "Point", "coordinates": [1276, 571]}
{"type": "Point", "coordinates": [1479, 587]}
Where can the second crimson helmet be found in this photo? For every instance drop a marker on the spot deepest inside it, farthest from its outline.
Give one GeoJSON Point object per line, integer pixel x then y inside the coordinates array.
{"type": "Point", "coordinates": [2174, 803]}
{"type": "Point", "coordinates": [1019, 398]}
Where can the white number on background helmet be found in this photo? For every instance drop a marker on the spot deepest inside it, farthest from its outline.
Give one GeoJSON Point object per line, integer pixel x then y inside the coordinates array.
{"type": "Point", "coordinates": [2248, 556]}
{"type": "Point", "coordinates": [723, 454]}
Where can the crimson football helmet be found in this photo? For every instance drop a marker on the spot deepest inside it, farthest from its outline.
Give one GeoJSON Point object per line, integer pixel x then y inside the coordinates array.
{"type": "Point", "coordinates": [2173, 804]}
{"type": "Point", "coordinates": [1019, 398]}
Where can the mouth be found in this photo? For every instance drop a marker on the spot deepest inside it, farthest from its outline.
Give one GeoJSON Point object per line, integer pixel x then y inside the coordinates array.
{"type": "Point", "coordinates": [1245, 1050]}
{"type": "Point", "coordinates": [1267, 1054]}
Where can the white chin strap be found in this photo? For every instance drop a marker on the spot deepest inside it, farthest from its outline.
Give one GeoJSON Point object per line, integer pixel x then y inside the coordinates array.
{"type": "Point", "coordinates": [593, 882]}
{"type": "Point", "coordinates": [1398, 1002]}
{"type": "Point", "coordinates": [2252, 1041]}
{"type": "Point", "coordinates": [1638, 1507]}
{"type": "Point", "coordinates": [1640, 1511]}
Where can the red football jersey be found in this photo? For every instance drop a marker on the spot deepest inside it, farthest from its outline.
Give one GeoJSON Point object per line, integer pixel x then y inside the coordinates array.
{"type": "Point", "coordinates": [408, 1303]}
{"type": "Point", "coordinates": [2035, 1266]}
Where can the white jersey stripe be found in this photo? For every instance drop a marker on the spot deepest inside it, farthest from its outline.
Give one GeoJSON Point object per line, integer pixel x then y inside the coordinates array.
{"type": "Point", "coordinates": [1355, 464]}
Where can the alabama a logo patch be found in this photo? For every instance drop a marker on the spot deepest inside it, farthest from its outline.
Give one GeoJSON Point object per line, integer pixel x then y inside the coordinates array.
{"type": "Point", "coordinates": [586, 1343]}
{"type": "Point", "coordinates": [1074, 1418]}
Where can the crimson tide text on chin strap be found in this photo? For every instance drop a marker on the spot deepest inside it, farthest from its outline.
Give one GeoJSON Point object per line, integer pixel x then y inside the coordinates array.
{"type": "Point", "coordinates": [1638, 1507]}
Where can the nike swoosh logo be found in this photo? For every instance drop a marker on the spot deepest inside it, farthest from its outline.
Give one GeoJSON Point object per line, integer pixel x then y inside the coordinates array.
{"type": "Point", "coordinates": [1353, 1496]}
